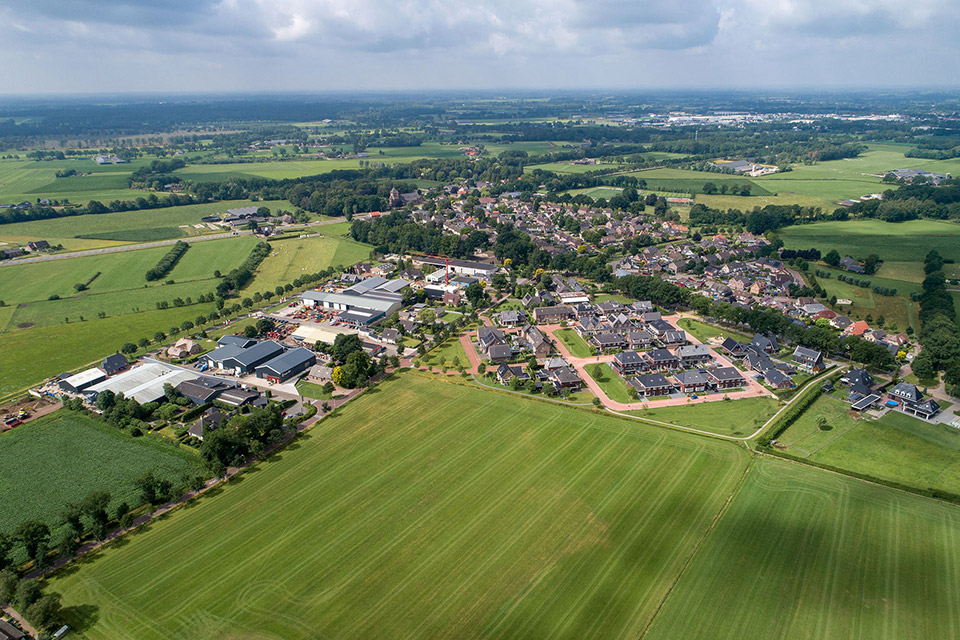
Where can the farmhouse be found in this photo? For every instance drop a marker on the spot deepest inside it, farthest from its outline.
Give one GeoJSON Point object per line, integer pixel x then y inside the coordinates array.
{"type": "Point", "coordinates": [185, 347]}
{"type": "Point", "coordinates": [211, 420]}
{"type": "Point", "coordinates": [115, 364]}
{"type": "Point", "coordinates": [287, 365]}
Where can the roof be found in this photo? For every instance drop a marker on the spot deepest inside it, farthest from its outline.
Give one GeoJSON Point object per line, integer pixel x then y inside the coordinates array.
{"type": "Point", "coordinates": [907, 391]}
{"type": "Point", "coordinates": [653, 380]}
{"type": "Point", "coordinates": [258, 352]}
{"type": "Point", "coordinates": [289, 361]}
{"type": "Point", "coordinates": [628, 357]}
{"type": "Point", "coordinates": [775, 377]}
{"type": "Point", "coordinates": [564, 375]}
{"type": "Point", "coordinates": [806, 354]}
{"type": "Point", "coordinates": [145, 383]}
{"type": "Point", "coordinates": [660, 354]}
{"type": "Point", "coordinates": [221, 354]}
{"type": "Point", "coordinates": [725, 373]}
{"type": "Point", "coordinates": [500, 351]}
{"type": "Point", "coordinates": [239, 341]}
{"type": "Point", "coordinates": [693, 350]}
{"type": "Point", "coordinates": [115, 362]}
{"type": "Point", "coordinates": [865, 403]}
{"type": "Point", "coordinates": [84, 378]}
{"type": "Point", "coordinates": [691, 377]}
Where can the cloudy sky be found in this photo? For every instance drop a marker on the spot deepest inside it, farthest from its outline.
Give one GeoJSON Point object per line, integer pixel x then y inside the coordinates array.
{"type": "Point", "coordinates": [90, 46]}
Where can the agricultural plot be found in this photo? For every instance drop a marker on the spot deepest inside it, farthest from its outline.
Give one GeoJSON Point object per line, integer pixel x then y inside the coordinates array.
{"type": "Point", "coordinates": [899, 311]}
{"type": "Point", "coordinates": [898, 242]}
{"type": "Point", "coordinates": [28, 180]}
{"type": "Point", "coordinates": [895, 447]}
{"type": "Point", "coordinates": [801, 553]}
{"type": "Point", "coordinates": [60, 458]}
{"type": "Point", "coordinates": [729, 418]}
{"type": "Point", "coordinates": [294, 257]}
{"type": "Point", "coordinates": [424, 509]}
{"type": "Point", "coordinates": [686, 182]}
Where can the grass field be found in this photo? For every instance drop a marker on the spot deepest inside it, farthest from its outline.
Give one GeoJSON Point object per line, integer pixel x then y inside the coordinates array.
{"type": "Point", "coordinates": [574, 343]}
{"type": "Point", "coordinates": [684, 181]}
{"type": "Point", "coordinates": [734, 418]}
{"type": "Point", "coordinates": [294, 257]}
{"type": "Point", "coordinates": [91, 231]}
{"type": "Point", "coordinates": [895, 447]}
{"type": "Point", "coordinates": [801, 553]}
{"type": "Point", "coordinates": [900, 242]}
{"type": "Point", "coordinates": [610, 381]}
{"type": "Point", "coordinates": [60, 458]}
{"type": "Point", "coordinates": [423, 510]}
{"type": "Point", "coordinates": [703, 331]}
{"type": "Point", "coordinates": [899, 311]}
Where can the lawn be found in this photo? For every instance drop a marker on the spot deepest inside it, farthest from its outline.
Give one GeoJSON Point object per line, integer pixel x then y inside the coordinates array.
{"type": "Point", "coordinates": [896, 447]}
{"type": "Point", "coordinates": [703, 331]}
{"type": "Point", "coordinates": [312, 390]}
{"type": "Point", "coordinates": [574, 343]}
{"type": "Point", "coordinates": [62, 457]}
{"type": "Point", "coordinates": [801, 553]}
{"type": "Point", "coordinates": [444, 353]}
{"type": "Point", "coordinates": [901, 242]}
{"type": "Point", "coordinates": [424, 509]}
{"type": "Point", "coordinates": [730, 418]}
{"type": "Point", "coordinates": [610, 381]}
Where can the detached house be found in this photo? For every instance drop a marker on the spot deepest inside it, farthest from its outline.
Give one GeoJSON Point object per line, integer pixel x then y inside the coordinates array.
{"type": "Point", "coordinates": [808, 359]}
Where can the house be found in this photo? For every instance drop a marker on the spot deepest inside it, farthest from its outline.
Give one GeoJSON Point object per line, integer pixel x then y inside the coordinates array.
{"type": "Point", "coordinates": [908, 393]}
{"type": "Point", "coordinates": [851, 265]}
{"type": "Point", "coordinates": [488, 337]}
{"type": "Point", "coordinates": [763, 344]}
{"type": "Point", "coordinates": [210, 420]}
{"type": "Point", "coordinates": [777, 379]}
{"type": "Point", "coordinates": [557, 313]}
{"type": "Point", "coordinates": [506, 373]}
{"type": "Point", "coordinates": [512, 317]}
{"type": "Point", "coordinates": [733, 348]}
{"type": "Point", "coordinates": [809, 359]}
{"type": "Point", "coordinates": [38, 245]}
{"type": "Point", "coordinates": [565, 379]}
{"type": "Point", "coordinates": [858, 328]}
{"type": "Point", "coordinates": [926, 410]}
{"type": "Point", "coordinates": [693, 354]}
{"type": "Point", "coordinates": [692, 381]}
{"type": "Point", "coordinates": [390, 336]}
{"type": "Point", "coordinates": [652, 385]}
{"type": "Point", "coordinates": [535, 341]}
{"type": "Point", "coordinates": [726, 378]}
{"type": "Point", "coordinates": [10, 632]}
{"type": "Point", "coordinates": [673, 338]}
{"type": "Point", "coordinates": [320, 373]}
{"type": "Point", "coordinates": [628, 362]}
{"type": "Point", "coordinates": [185, 347]}
{"type": "Point", "coordinates": [659, 327]}
{"type": "Point", "coordinates": [499, 352]}
{"type": "Point", "coordinates": [287, 365]}
{"type": "Point", "coordinates": [555, 363]}
{"type": "Point", "coordinates": [607, 341]}
{"type": "Point", "coordinates": [639, 339]}
{"type": "Point", "coordinates": [661, 360]}
{"type": "Point", "coordinates": [114, 364]}
{"type": "Point", "coordinates": [859, 381]}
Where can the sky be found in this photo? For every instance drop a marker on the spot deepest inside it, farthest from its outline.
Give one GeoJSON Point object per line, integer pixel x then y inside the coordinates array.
{"type": "Point", "coordinates": [92, 46]}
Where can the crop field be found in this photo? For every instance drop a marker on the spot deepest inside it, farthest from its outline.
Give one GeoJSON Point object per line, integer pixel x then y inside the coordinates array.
{"type": "Point", "coordinates": [76, 232]}
{"type": "Point", "coordinates": [569, 167]}
{"type": "Point", "coordinates": [896, 447]}
{"type": "Point", "coordinates": [899, 242]}
{"type": "Point", "coordinates": [60, 458]}
{"type": "Point", "coordinates": [801, 553]}
{"type": "Point", "coordinates": [423, 510]}
{"type": "Point", "coordinates": [28, 180]}
{"type": "Point", "coordinates": [729, 418]}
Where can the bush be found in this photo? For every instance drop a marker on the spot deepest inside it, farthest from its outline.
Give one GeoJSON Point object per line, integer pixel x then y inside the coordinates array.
{"type": "Point", "coordinates": [168, 261]}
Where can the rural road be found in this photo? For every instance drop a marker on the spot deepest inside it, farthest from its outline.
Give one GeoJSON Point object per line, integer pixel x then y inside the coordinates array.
{"type": "Point", "coordinates": [144, 245]}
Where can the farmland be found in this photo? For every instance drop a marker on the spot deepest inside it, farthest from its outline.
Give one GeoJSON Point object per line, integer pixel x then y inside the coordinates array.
{"type": "Point", "coordinates": [729, 418]}
{"type": "Point", "coordinates": [801, 553]}
{"type": "Point", "coordinates": [900, 242]}
{"type": "Point", "coordinates": [895, 447]}
{"type": "Point", "coordinates": [291, 258]}
{"type": "Point", "coordinates": [60, 458]}
{"type": "Point", "coordinates": [441, 513]}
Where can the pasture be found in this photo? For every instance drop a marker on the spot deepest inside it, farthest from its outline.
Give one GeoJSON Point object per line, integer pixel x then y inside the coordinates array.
{"type": "Point", "coordinates": [685, 182]}
{"type": "Point", "coordinates": [801, 553]}
{"type": "Point", "coordinates": [293, 257]}
{"type": "Point", "coordinates": [899, 242]}
{"type": "Point", "coordinates": [423, 509]}
{"type": "Point", "coordinates": [729, 418]}
{"type": "Point", "coordinates": [60, 458]}
{"type": "Point", "coordinates": [895, 447]}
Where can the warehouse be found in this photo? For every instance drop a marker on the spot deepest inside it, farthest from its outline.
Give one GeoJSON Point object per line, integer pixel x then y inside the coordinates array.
{"type": "Point", "coordinates": [144, 383]}
{"type": "Point", "coordinates": [240, 361]}
{"type": "Point", "coordinates": [364, 303]}
{"type": "Point", "coordinates": [287, 365]}
{"type": "Point", "coordinates": [79, 382]}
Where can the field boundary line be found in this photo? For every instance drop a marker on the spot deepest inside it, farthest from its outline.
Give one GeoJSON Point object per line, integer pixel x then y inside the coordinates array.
{"type": "Point", "coordinates": [696, 548]}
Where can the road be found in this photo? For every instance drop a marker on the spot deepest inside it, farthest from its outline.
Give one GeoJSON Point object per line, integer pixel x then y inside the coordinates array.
{"type": "Point", "coordinates": [145, 245]}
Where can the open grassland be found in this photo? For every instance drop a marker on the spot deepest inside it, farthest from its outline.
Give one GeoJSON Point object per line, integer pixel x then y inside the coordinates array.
{"type": "Point", "coordinates": [574, 343]}
{"type": "Point", "coordinates": [704, 332]}
{"type": "Point", "coordinates": [899, 311]}
{"type": "Point", "coordinates": [895, 447]}
{"type": "Point", "coordinates": [293, 257]}
{"type": "Point", "coordinates": [900, 242]}
{"type": "Point", "coordinates": [745, 203]}
{"type": "Point", "coordinates": [610, 381]}
{"type": "Point", "coordinates": [729, 418]}
{"type": "Point", "coordinates": [28, 180]}
{"type": "Point", "coordinates": [91, 231]}
{"type": "Point", "coordinates": [685, 181]}
{"type": "Point", "coordinates": [801, 553]}
{"type": "Point", "coordinates": [425, 509]}
{"type": "Point", "coordinates": [121, 286]}
{"type": "Point", "coordinates": [59, 459]}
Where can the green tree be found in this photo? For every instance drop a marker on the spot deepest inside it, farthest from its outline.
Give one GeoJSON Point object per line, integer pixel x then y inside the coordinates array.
{"type": "Point", "coordinates": [28, 592]}
{"type": "Point", "coordinates": [45, 611]}
{"type": "Point", "coordinates": [8, 585]}
{"type": "Point", "coordinates": [32, 535]}
{"type": "Point", "coordinates": [832, 258]}
{"type": "Point", "coordinates": [128, 348]}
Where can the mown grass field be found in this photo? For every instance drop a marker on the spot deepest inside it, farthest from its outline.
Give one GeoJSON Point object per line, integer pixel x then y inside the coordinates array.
{"type": "Point", "coordinates": [703, 331]}
{"type": "Point", "coordinates": [423, 510]}
{"type": "Point", "coordinates": [898, 242]}
{"type": "Point", "coordinates": [294, 257]}
{"type": "Point", "coordinates": [895, 447]}
{"type": "Point", "coordinates": [801, 553]}
{"type": "Point", "coordinates": [574, 343]}
{"type": "Point", "coordinates": [109, 229]}
{"type": "Point", "coordinates": [60, 458]}
{"type": "Point", "coordinates": [610, 381]}
{"type": "Point", "coordinates": [685, 181]}
{"type": "Point", "coordinates": [729, 418]}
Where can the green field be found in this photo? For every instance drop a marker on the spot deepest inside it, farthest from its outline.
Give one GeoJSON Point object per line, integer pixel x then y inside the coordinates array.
{"type": "Point", "coordinates": [801, 553]}
{"type": "Point", "coordinates": [610, 381]}
{"type": "Point", "coordinates": [899, 242]}
{"type": "Point", "coordinates": [729, 418]}
{"type": "Point", "coordinates": [895, 447]}
{"type": "Point", "coordinates": [684, 181]}
{"type": "Point", "coordinates": [77, 232]}
{"type": "Point", "coordinates": [423, 510]}
{"type": "Point", "coordinates": [60, 458]}
{"type": "Point", "coordinates": [291, 258]}
{"type": "Point", "coordinates": [574, 343]}
{"type": "Point", "coordinates": [703, 331]}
